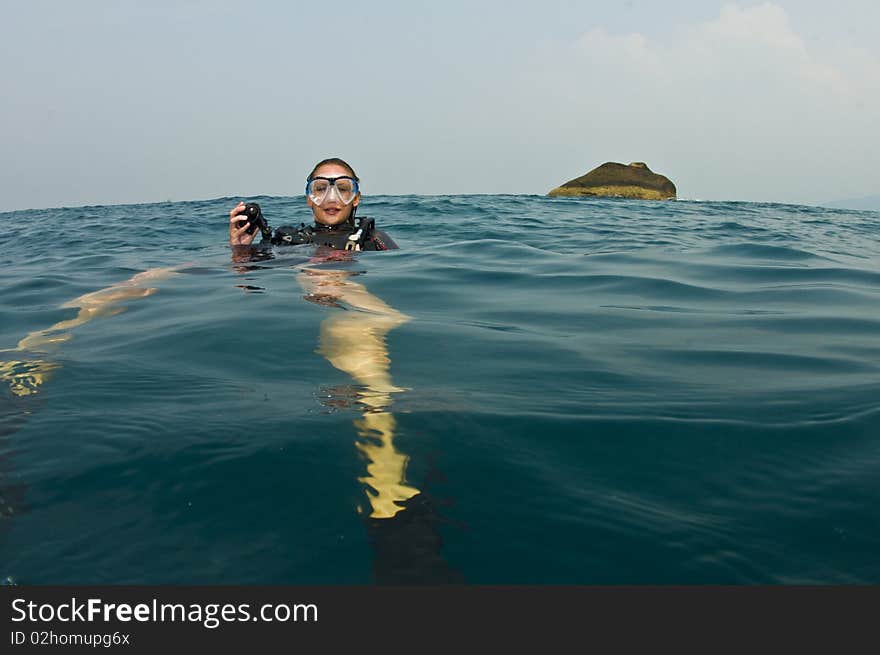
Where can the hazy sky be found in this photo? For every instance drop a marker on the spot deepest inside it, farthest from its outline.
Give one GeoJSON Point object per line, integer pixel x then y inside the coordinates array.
{"type": "Point", "coordinates": [136, 101]}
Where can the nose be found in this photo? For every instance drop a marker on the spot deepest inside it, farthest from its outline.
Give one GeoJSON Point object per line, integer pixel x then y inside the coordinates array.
{"type": "Point", "coordinates": [332, 195]}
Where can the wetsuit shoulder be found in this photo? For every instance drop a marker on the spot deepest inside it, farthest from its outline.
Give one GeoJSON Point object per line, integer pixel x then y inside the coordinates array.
{"type": "Point", "coordinates": [380, 240]}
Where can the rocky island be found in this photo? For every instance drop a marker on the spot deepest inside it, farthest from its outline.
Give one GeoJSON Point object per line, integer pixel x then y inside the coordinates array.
{"type": "Point", "coordinates": [635, 180]}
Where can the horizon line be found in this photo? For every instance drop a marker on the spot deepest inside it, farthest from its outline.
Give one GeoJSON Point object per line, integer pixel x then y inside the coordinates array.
{"type": "Point", "coordinates": [437, 195]}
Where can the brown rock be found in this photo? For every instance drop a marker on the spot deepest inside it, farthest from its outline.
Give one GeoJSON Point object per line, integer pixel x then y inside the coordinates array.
{"type": "Point", "coordinates": [635, 180]}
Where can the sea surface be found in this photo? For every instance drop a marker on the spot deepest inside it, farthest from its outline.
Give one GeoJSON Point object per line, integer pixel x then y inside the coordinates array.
{"type": "Point", "coordinates": [530, 390]}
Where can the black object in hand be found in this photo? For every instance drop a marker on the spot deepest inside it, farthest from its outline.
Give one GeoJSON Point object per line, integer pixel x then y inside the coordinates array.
{"type": "Point", "coordinates": [253, 215]}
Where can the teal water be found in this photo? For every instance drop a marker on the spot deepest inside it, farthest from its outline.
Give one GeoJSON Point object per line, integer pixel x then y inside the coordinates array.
{"type": "Point", "coordinates": [599, 392]}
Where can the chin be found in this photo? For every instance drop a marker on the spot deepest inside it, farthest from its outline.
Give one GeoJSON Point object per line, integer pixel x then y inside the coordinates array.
{"type": "Point", "coordinates": [335, 220]}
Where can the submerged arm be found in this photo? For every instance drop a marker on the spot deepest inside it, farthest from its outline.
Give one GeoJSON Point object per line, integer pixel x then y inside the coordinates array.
{"type": "Point", "coordinates": [25, 377]}
{"type": "Point", "coordinates": [103, 302]}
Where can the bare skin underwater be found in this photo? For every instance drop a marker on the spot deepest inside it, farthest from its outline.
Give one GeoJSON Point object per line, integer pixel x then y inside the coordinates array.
{"type": "Point", "coordinates": [354, 342]}
{"type": "Point", "coordinates": [400, 519]}
{"type": "Point", "coordinates": [25, 375]}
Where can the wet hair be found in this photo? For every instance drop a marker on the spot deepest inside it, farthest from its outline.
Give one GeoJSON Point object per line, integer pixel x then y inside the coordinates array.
{"type": "Point", "coordinates": [335, 161]}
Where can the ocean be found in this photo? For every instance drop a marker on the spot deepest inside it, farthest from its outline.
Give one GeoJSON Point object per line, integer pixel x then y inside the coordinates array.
{"type": "Point", "coordinates": [531, 390]}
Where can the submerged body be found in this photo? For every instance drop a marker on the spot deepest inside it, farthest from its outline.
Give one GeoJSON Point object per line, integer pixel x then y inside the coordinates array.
{"type": "Point", "coordinates": [401, 522]}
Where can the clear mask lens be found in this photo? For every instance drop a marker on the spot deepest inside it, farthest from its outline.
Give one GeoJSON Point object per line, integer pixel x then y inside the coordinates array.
{"type": "Point", "coordinates": [343, 189]}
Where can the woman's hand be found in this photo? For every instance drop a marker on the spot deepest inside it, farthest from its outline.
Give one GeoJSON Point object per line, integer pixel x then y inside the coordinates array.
{"type": "Point", "coordinates": [238, 236]}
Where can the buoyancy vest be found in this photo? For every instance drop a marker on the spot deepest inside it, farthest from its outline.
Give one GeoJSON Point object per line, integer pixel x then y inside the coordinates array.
{"type": "Point", "coordinates": [345, 236]}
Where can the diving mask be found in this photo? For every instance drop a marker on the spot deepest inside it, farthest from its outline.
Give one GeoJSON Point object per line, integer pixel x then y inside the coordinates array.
{"type": "Point", "coordinates": [320, 189]}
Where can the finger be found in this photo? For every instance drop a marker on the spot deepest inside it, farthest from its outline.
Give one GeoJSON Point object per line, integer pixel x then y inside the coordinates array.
{"type": "Point", "coordinates": [239, 208]}
{"type": "Point", "coordinates": [238, 231]}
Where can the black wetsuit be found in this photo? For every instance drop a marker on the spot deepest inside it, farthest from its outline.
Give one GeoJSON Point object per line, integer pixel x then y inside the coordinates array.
{"type": "Point", "coordinates": [335, 236]}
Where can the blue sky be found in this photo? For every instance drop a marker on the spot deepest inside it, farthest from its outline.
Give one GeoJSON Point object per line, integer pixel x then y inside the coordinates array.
{"type": "Point", "coordinates": [121, 101]}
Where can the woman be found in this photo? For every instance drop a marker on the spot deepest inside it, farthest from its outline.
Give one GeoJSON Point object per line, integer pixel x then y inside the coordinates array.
{"type": "Point", "coordinates": [333, 194]}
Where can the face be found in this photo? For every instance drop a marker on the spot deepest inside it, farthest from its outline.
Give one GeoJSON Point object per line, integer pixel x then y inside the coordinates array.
{"type": "Point", "coordinates": [332, 211]}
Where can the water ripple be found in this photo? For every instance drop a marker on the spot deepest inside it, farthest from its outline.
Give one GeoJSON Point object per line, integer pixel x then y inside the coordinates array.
{"type": "Point", "coordinates": [600, 390]}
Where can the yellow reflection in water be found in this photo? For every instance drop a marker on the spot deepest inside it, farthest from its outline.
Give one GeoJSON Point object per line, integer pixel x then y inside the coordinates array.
{"type": "Point", "coordinates": [353, 341]}
{"type": "Point", "coordinates": [26, 377]}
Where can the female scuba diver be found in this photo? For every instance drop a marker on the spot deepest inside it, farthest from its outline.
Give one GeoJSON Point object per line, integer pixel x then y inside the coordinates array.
{"type": "Point", "coordinates": [333, 194]}
{"type": "Point", "coordinates": [400, 518]}
{"type": "Point", "coordinates": [401, 521]}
